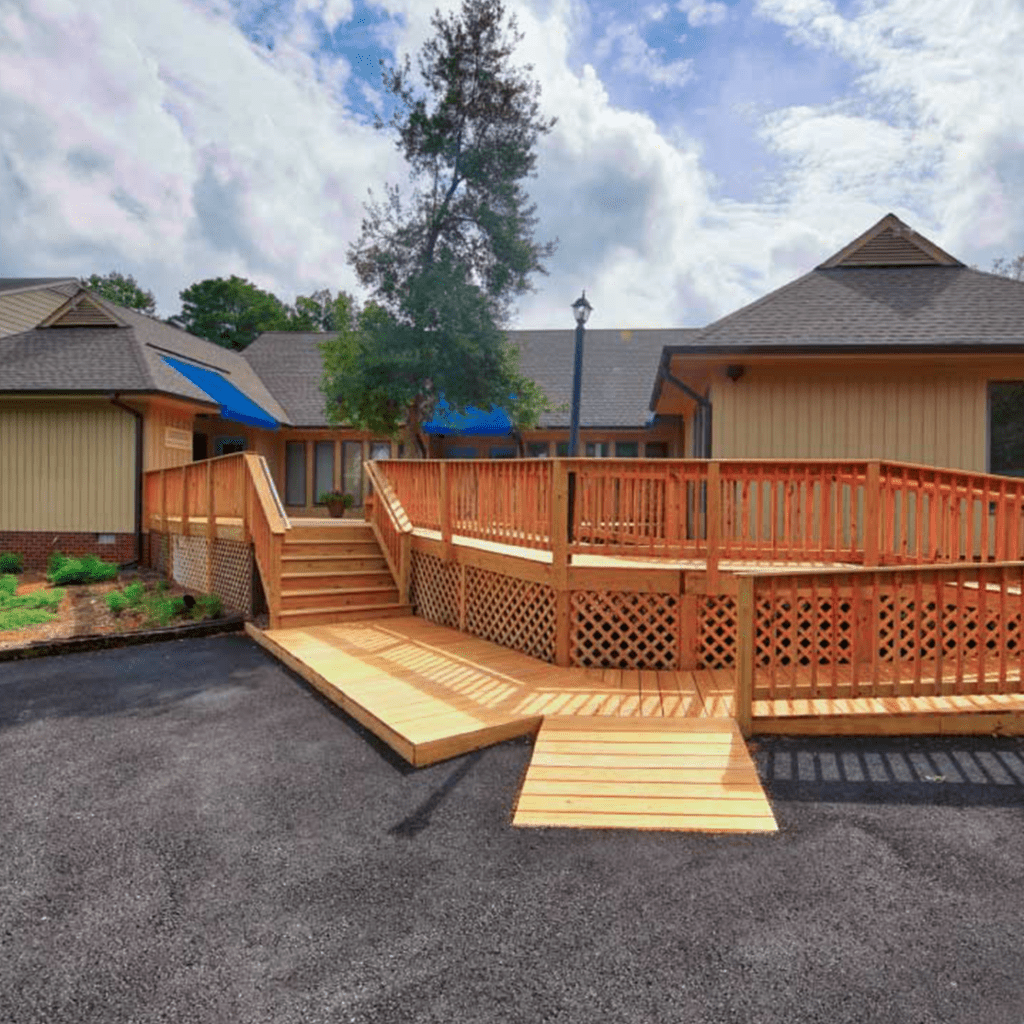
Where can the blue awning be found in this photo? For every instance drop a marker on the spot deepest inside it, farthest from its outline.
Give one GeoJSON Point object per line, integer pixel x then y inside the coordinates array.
{"type": "Point", "coordinates": [233, 404]}
{"type": "Point", "coordinates": [473, 421]}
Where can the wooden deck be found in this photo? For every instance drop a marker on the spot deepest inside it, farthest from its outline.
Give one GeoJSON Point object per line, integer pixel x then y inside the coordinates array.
{"type": "Point", "coordinates": [432, 693]}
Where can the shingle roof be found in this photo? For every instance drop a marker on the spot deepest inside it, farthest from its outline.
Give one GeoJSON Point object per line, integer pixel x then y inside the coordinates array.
{"type": "Point", "coordinates": [291, 365]}
{"type": "Point", "coordinates": [121, 359]}
{"type": "Point", "coordinates": [67, 285]}
{"type": "Point", "coordinates": [618, 368]}
{"type": "Point", "coordinates": [894, 308]}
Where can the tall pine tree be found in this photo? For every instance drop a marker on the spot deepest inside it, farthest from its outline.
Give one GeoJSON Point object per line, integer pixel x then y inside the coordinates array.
{"type": "Point", "coordinates": [444, 265]}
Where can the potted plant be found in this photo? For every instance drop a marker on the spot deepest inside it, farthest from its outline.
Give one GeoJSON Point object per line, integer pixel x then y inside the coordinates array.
{"type": "Point", "coordinates": [337, 503]}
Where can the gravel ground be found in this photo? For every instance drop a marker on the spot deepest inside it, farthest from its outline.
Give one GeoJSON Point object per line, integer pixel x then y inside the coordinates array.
{"type": "Point", "coordinates": [190, 834]}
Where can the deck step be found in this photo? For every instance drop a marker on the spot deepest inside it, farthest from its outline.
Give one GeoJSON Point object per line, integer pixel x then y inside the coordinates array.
{"type": "Point", "coordinates": [330, 547]}
{"type": "Point", "coordinates": [350, 531]}
{"type": "Point", "coordinates": [294, 617]}
{"type": "Point", "coordinates": [374, 562]}
{"type": "Point", "coordinates": [338, 597]}
{"type": "Point", "coordinates": [329, 578]}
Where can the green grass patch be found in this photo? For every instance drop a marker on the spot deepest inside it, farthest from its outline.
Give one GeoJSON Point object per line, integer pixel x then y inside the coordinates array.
{"type": "Point", "coordinates": [18, 611]}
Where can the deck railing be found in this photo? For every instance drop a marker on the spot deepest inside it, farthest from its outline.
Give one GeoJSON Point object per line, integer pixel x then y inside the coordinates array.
{"type": "Point", "coordinates": [857, 512]}
{"type": "Point", "coordinates": [392, 528]}
{"type": "Point", "coordinates": [232, 493]}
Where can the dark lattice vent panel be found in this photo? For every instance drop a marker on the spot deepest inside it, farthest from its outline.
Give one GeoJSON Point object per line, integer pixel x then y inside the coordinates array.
{"type": "Point", "coordinates": [716, 631]}
{"type": "Point", "coordinates": [434, 589]}
{"type": "Point", "coordinates": [514, 613]}
{"type": "Point", "coordinates": [621, 630]}
{"type": "Point", "coordinates": [231, 577]}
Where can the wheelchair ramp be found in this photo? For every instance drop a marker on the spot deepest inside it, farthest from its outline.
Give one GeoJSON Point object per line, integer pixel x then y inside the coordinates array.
{"type": "Point", "coordinates": [692, 775]}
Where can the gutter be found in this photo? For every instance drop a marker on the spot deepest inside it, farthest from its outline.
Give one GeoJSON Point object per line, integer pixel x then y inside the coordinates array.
{"type": "Point", "coordinates": [114, 400]}
{"type": "Point", "coordinates": [702, 420]}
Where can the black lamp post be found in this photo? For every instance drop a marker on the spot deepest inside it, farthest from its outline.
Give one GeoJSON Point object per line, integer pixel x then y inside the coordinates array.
{"type": "Point", "coordinates": [581, 310]}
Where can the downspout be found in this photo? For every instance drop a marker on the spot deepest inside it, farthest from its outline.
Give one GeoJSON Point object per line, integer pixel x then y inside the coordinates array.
{"type": "Point", "coordinates": [702, 401]}
{"type": "Point", "coordinates": [114, 400]}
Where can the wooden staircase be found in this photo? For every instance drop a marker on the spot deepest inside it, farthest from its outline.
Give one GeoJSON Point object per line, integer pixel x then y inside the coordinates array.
{"type": "Point", "coordinates": [335, 572]}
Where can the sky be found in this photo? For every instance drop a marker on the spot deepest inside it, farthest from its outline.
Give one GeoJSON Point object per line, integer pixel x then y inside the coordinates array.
{"type": "Point", "coordinates": [705, 152]}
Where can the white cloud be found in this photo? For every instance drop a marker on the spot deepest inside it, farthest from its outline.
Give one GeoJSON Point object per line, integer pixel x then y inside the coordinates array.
{"type": "Point", "coordinates": [704, 12]}
{"type": "Point", "coordinates": [638, 59]}
{"type": "Point", "coordinates": [172, 148]}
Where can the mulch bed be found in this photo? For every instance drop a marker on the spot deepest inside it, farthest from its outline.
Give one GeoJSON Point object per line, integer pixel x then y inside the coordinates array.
{"type": "Point", "coordinates": [83, 613]}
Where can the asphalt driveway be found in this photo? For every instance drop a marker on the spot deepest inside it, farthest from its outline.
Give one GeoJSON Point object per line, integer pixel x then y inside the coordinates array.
{"type": "Point", "coordinates": [188, 833]}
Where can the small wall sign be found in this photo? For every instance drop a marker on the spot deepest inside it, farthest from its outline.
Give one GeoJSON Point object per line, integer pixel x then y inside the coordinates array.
{"type": "Point", "coordinates": [175, 437]}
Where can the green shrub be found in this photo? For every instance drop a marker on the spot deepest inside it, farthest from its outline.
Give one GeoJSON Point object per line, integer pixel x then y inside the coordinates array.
{"type": "Point", "coordinates": [10, 562]}
{"type": "Point", "coordinates": [26, 609]}
{"type": "Point", "coordinates": [163, 609]}
{"type": "Point", "coordinates": [88, 569]}
{"type": "Point", "coordinates": [116, 601]}
{"type": "Point", "coordinates": [55, 561]}
{"type": "Point", "coordinates": [208, 606]}
{"type": "Point", "coordinates": [134, 593]}
{"type": "Point", "coordinates": [8, 585]}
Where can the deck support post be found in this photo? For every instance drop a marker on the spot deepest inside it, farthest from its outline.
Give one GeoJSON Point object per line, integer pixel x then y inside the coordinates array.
{"type": "Point", "coordinates": [184, 501]}
{"type": "Point", "coordinates": [714, 522]}
{"type": "Point", "coordinates": [689, 629]}
{"type": "Point", "coordinates": [446, 512]}
{"type": "Point", "coordinates": [247, 487]}
{"type": "Point", "coordinates": [872, 518]}
{"type": "Point", "coordinates": [746, 643]}
{"type": "Point", "coordinates": [560, 559]}
{"type": "Point", "coordinates": [165, 537]}
{"type": "Point", "coordinates": [211, 526]}
{"type": "Point", "coordinates": [404, 567]}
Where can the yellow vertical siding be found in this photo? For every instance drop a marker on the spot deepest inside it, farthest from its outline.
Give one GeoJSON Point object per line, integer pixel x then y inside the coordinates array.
{"type": "Point", "coordinates": [158, 417]}
{"type": "Point", "coordinates": [67, 466]}
{"type": "Point", "coordinates": [24, 310]}
{"type": "Point", "coordinates": [932, 413]}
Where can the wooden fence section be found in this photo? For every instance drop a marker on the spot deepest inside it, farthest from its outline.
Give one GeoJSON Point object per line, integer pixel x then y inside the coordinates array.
{"type": "Point", "coordinates": [897, 632]}
{"type": "Point", "coordinates": [204, 509]}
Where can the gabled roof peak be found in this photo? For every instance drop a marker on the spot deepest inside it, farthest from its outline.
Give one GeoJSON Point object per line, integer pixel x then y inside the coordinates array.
{"type": "Point", "coordinates": [890, 243]}
{"type": "Point", "coordinates": [82, 310]}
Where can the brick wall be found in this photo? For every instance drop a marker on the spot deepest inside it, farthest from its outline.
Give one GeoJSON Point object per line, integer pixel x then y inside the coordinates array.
{"type": "Point", "coordinates": [37, 546]}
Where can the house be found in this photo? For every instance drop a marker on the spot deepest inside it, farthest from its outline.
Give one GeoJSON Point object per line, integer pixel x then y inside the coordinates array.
{"type": "Point", "coordinates": [890, 349]}
{"type": "Point", "coordinates": [93, 395]}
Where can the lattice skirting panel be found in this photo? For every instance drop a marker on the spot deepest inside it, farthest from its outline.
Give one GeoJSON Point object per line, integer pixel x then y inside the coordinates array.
{"type": "Point", "coordinates": [624, 630]}
{"type": "Point", "coordinates": [230, 576]}
{"type": "Point", "coordinates": [716, 632]}
{"type": "Point", "coordinates": [434, 589]}
{"type": "Point", "coordinates": [511, 612]}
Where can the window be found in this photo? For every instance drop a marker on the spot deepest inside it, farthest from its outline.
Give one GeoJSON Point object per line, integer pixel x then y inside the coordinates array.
{"type": "Point", "coordinates": [598, 449]}
{"type": "Point", "coordinates": [562, 450]}
{"type": "Point", "coordinates": [230, 445]}
{"type": "Point", "coordinates": [627, 449]}
{"type": "Point", "coordinates": [537, 450]}
{"type": "Point", "coordinates": [656, 449]}
{"type": "Point", "coordinates": [501, 452]}
{"type": "Point", "coordinates": [352, 470]}
{"type": "Point", "coordinates": [295, 473]}
{"type": "Point", "coordinates": [323, 469]}
{"type": "Point", "coordinates": [380, 450]}
{"type": "Point", "coordinates": [1006, 428]}
{"type": "Point", "coordinates": [462, 452]}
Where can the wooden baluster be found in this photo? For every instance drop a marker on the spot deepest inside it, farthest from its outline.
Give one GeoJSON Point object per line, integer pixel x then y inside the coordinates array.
{"type": "Point", "coordinates": [714, 520]}
{"type": "Point", "coordinates": [872, 499]}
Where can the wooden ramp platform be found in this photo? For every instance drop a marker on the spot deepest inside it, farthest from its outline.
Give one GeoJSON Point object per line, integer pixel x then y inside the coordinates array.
{"type": "Point", "coordinates": [686, 774]}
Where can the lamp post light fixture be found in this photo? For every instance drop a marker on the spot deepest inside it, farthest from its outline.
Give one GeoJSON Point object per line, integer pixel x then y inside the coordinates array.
{"type": "Point", "coordinates": [581, 310]}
